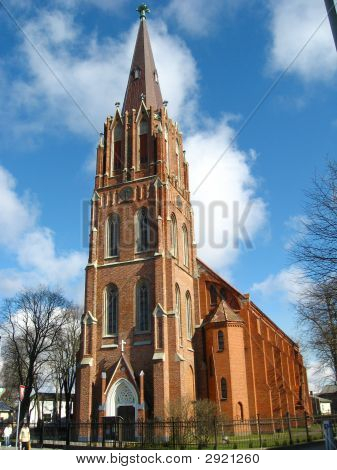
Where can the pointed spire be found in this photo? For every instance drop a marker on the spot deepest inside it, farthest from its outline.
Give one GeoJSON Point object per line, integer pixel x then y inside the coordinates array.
{"type": "Point", "coordinates": [143, 81]}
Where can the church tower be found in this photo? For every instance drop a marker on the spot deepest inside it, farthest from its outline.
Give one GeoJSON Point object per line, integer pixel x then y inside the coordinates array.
{"type": "Point", "coordinates": [141, 294]}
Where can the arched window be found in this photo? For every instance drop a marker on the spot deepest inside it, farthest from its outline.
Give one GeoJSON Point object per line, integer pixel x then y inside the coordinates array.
{"type": "Point", "coordinates": [143, 307]}
{"type": "Point", "coordinates": [178, 312]}
{"type": "Point", "coordinates": [143, 141]}
{"type": "Point", "coordinates": [221, 341]}
{"type": "Point", "coordinates": [213, 294]}
{"type": "Point", "coordinates": [143, 230]}
{"type": "Point", "coordinates": [112, 238]}
{"type": "Point", "coordinates": [111, 311]}
{"type": "Point", "coordinates": [189, 322]}
{"type": "Point", "coordinates": [117, 147]}
{"type": "Point", "coordinates": [174, 236]}
{"type": "Point", "coordinates": [223, 385]}
{"type": "Point", "coordinates": [240, 411]}
{"type": "Point", "coordinates": [185, 247]}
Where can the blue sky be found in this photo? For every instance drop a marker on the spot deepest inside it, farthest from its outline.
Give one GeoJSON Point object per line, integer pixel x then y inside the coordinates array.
{"type": "Point", "coordinates": [215, 63]}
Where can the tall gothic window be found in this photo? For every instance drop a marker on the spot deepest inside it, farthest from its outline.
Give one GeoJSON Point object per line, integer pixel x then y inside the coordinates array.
{"type": "Point", "coordinates": [143, 307]}
{"type": "Point", "coordinates": [223, 385]}
{"type": "Point", "coordinates": [117, 148]}
{"type": "Point", "coordinates": [221, 341]}
{"type": "Point", "coordinates": [189, 321]}
{"type": "Point", "coordinates": [185, 247]}
{"type": "Point", "coordinates": [113, 236]}
{"type": "Point", "coordinates": [143, 142]}
{"type": "Point", "coordinates": [111, 310]}
{"type": "Point", "coordinates": [213, 294]}
{"type": "Point", "coordinates": [174, 235]}
{"type": "Point", "coordinates": [143, 230]}
{"type": "Point", "coordinates": [178, 311]}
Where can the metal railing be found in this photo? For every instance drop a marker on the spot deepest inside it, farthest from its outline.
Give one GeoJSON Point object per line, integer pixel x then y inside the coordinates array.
{"type": "Point", "coordinates": [210, 433]}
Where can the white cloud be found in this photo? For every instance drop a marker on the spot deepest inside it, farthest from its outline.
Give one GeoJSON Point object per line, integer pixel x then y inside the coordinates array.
{"type": "Point", "coordinates": [94, 72]}
{"type": "Point", "coordinates": [33, 248]}
{"type": "Point", "coordinates": [96, 82]}
{"type": "Point", "coordinates": [200, 19]}
{"type": "Point", "coordinates": [289, 284]}
{"type": "Point", "coordinates": [225, 197]}
{"type": "Point", "coordinates": [292, 24]}
{"type": "Point", "coordinates": [318, 376]}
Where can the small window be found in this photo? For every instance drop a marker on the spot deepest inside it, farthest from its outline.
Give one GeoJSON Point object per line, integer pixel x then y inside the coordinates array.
{"type": "Point", "coordinates": [143, 308]}
{"type": "Point", "coordinates": [111, 310]}
{"type": "Point", "coordinates": [221, 341]}
{"type": "Point", "coordinates": [174, 236]}
{"type": "Point", "coordinates": [223, 385]}
{"type": "Point", "coordinates": [186, 257]}
{"type": "Point", "coordinates": [143, 230]}
{"type": "Point", "coordinates": [156, 78]}
{"type": "Point", "coordinates": [117, 148]}
{"type": "Point", "coordinates": [143, 142]}
{"type": "Point", "coordinates": [213, 295]}
{"type": "Point", "coordinates": [113, 236]}
{"type": "Point", "coordinates": [137, 74]}
{"type": "Point", "coordinates": [189, 321]}
{"type": "Point", "coordinates": [178, 312]}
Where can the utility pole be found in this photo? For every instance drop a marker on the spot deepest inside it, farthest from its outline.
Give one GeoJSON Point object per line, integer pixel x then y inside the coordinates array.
{"type": "Point", "coordinates": [331, 6]}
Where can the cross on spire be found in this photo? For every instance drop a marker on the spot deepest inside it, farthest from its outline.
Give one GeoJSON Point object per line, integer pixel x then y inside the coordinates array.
{"type": "Point", "coordinates": [142, 10]}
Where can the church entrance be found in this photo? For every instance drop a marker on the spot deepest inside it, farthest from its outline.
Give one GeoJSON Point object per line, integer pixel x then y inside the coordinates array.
{"type": "Point", "coordinates": [121, 411]}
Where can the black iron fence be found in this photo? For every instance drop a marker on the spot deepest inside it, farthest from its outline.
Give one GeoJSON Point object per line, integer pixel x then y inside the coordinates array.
{"type": "Point", "coordinates": [173, 434]}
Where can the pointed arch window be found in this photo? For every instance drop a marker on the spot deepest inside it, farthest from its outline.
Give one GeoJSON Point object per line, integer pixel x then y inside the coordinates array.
{"type": "Point", "coordinates": [143, 230]}
{"type": "Point", "coordinates": [111, 311]}
{"type": "Point", "coordinates": [117, 147]}
{"type": "Point", "coordinates": [189, 322]}
{"type": "Point", "coordinates": [186, 257]}
{"type": "Point", "coordinates": [112, 239]}
{"type": "Point", "coordinates": [223, 385]}
{"type": "Point", "coordinates": [143, 307]}
{"type": "Point", "coordinates": [213, 294]}
{"type": "Point", "coordinates": [178, 312]}
{"type": "Point", "coordinates": [143, 141]}
{"type": "Point", "coordinates": [174, 236]}
{"type": "Point", "coordinates": [221, 341]}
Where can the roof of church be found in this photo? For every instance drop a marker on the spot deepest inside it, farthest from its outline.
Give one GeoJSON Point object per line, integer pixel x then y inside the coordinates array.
{"type": "Point", "coordinates": [224, 312]}
{"type": "Point", "coordinates": [143, 79]}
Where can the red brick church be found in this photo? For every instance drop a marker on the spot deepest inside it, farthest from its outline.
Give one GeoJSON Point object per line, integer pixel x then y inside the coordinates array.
{"type": "Point", "coordinates": [159, 324]}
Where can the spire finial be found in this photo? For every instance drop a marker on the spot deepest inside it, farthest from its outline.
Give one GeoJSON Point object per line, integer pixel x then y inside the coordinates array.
{"type": "Point", "coordinates": [142, 10]}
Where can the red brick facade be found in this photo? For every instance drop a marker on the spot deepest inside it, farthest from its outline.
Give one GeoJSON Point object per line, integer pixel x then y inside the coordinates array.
{"type": "Point", "coordinates": [159, 324]}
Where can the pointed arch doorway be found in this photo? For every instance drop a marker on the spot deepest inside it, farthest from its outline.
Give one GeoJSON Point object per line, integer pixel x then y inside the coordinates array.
{"type": "Point", "coordinates": [121, 411]}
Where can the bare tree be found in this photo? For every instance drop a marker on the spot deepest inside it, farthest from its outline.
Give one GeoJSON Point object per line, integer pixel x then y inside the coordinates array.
{"type": "Point", "coordinates": [315, 247]}
{"type": "Point", "coordinates": [315, 251]}
{"type": "Point", "coordinates": [63, 357]}
{"type": "Point", "coordinates": [31, 323]}
{"type": "Point", "coordinates": [317, 315]}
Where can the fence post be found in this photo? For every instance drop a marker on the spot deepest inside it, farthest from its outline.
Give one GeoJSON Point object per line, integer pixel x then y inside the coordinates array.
{"type": "Point", "coordinates": [68, 433]}
{"type": "Point", "coordinates": [259, 430]}
{"type": "Point", "coordinates": [215, 433]}
{"type": "Point", "coordinates": [289, 428]}
{"type": "Point", "coordinates": [306, 425]}
{"type": "Point", "coordinates": [41, 433]}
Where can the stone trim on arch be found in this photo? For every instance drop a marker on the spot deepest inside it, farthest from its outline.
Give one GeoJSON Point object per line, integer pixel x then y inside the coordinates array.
{"type": "Point", "coordinates": [121, 393]}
